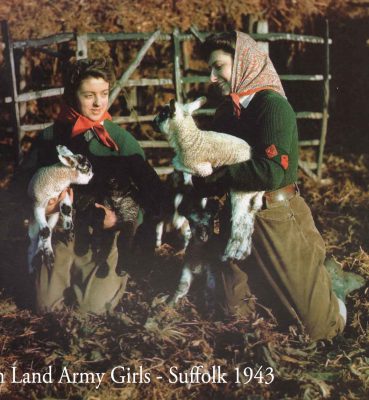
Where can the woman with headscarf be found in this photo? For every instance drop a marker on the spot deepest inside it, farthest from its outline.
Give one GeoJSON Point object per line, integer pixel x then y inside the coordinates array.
{"type": "Point", "coordinates": [285, 270]}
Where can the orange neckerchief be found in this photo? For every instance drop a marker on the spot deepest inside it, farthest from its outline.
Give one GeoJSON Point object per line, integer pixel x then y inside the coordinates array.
{"type": "Point", "coordinates": [81, 124]}
{"type": "Point", "coordinates": [252, 71]}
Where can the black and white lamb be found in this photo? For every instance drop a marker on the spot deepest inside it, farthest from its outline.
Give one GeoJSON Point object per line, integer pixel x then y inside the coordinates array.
{"type": "Point", "coordinates": [201, 252]}
{"type": "Point", "coordinates": [179, 189]}
{"type": "Point", "coordinates": [47, 183]}
{"type": "Point", "coordinates": [113, 191]}
{"type": "Point", "coordinates": [198, 152]}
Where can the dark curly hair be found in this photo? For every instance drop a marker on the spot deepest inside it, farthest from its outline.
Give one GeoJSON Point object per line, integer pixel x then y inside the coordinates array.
{"type": "Point", "coordinates": [225, 41]}
{"type": "Point", "coordinates": [82, 69]}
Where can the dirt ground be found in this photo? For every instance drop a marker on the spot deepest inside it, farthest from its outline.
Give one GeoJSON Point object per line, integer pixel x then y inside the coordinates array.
{"type": "Point", "coordinates": [144, 332]}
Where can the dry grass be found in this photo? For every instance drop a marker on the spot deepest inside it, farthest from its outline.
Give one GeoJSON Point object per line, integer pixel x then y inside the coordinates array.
{"type": "Point", "coordinates": [144, 332]}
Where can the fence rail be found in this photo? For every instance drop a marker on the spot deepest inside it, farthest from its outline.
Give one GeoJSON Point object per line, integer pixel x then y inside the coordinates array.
{"type": "Point", "coordinates": [178, 81]}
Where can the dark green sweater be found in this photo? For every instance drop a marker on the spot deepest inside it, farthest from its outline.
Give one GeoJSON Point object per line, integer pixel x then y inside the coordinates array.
{"type": "Point", "coordinates": [268, 124]}
{"type": "Point", "coordinates": [45, 146]}
{"type": "Point", "coordinates": [129, 161]}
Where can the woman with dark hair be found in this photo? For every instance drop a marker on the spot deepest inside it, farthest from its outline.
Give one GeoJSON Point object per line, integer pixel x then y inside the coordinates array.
{"type": "Point", "coordinates": [80, 276]}
{"type": "Point", "coordinates": [286, 268]}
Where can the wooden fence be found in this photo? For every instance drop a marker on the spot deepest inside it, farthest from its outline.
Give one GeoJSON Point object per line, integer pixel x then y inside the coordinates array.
{"type": "Point", "coordinates": [178, 81]}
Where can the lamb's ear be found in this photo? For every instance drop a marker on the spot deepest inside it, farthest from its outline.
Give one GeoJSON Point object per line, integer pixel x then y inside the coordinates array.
{"type": "Point", "coordinates": [189, 108]}
{"type": "Point", "coordinates": [69, 161]}
{"type": "Point", "coordinates": [172, 108]}
{"type": "Point", "coordinates": [63, 151]}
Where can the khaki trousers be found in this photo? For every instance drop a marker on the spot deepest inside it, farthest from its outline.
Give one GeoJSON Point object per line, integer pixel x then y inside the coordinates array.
{"type": "Point", "coordinates": [79, 280]}
{"type": "Point", "coordinates": [285, 273]}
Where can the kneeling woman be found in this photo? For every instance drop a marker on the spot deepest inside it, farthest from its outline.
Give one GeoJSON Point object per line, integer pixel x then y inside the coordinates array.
{"type": "Point", "coordinates": [286, 269]}
{"type": "Point", "coordinates": [81, 276]}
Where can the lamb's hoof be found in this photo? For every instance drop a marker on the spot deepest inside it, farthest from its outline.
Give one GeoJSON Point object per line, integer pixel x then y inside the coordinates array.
{"type": "Point", "coordinates": [172, 302]}
{"type": "Point", "coordinates": [68, 225]}
{"type": "Point", "coordinates": [235, 250]}
{"type": "Point", "coordinates": [120, 271]}
{"type": "Point", "coordinates": [66, 236]}
{"type": "Point", "coordinates": [69, 235]}
{"type": "Point", "coordinates": [47, 258]}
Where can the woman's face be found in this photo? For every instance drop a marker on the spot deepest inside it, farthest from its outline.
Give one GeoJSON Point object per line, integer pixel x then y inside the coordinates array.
{"type": "Point", "coordinates": [221, 64]}
{"type": "Point", "coordinates": [93, 97]}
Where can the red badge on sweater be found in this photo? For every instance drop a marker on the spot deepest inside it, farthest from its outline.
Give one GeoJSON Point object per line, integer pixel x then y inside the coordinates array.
{"type": "Point", "coordinates": [284, 161]}
{"type": "Point", "coordinates": [271, 151]}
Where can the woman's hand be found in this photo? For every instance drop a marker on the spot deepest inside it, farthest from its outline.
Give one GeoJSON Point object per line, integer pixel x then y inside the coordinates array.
{"type": "Point", "coordinates": [54, 203]}
{"type": "Point", "coordinates": [110, 219]}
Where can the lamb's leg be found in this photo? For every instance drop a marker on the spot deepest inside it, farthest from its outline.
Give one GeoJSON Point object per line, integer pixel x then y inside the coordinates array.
{"type": "Point", "coordinates": [184, 285]}
{"type": "Point", "coordinates": [33, 231]}
{"type": "Point", "coordinates": [244, 207]}
{"type": "Point", "coordinates": [44, 243]}
{"type": "Point", "coordinates": [187, 179]}
{"type": "Point", "coordinates": [159, 233]}
{"type": "Point", "coordinates": [178, 165]}
{"type": "Point", "coordinates": [186, 233]}
{"type": "Point", "coordinates": [203, 169]}
{"type": "Point", "coordinates": [178, 219]}
{"type": "Point", "coordinates": [67, 216]}
{"type": "Point", "coordinates": [210, 289]}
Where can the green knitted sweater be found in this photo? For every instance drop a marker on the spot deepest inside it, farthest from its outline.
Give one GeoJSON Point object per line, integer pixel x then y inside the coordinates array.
{"type": "Point", "coordinates": [45, 145]}
{"type": "Point", "coordinates": [141, 173]}
{"type": "Point", "coordinates": [268, 124]}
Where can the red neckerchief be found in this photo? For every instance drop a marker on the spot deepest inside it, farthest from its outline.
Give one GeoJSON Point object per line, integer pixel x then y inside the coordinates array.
{"type": "Point", "coordinates": [237, 96]}
{"type": "Point", "coordinates": [81, 124]}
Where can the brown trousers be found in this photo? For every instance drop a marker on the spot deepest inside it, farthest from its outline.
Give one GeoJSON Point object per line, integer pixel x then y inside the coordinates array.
{"type": "Point", "coordinates": [80, 281]}
{"type": "Point", "coordinates": [285, 273]}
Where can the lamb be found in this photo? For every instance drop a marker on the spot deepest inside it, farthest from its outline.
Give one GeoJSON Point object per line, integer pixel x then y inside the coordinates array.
{"type": "Point", "coordinates": [200, 254]}
{"type": "Point", "coordinates": [198, 152]}
{"type": "Point", "coordinates": [179, 188]}
{"type": "Point", "coordinates": [112, 190]}
{"type": "Point", "coordinates": [47, 183]}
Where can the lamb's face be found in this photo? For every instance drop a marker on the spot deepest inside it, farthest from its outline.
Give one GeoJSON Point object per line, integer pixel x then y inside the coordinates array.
{"type": "Point", "coordinates": [201, 225]}
{"type": "Point", "coordinates": [84, 169]}
{"type": "Point", "coordinates": [173, 113]}
{"type": "Point", "coordinates": [201, 220]}
{"type": "Point", "coordinates": [161, 121]}
{"type": "Point", "coordinates": [169, 116]}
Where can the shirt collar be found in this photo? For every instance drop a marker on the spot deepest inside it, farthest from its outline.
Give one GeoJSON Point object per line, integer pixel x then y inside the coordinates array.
{"type": "Point", "coordinates": [245, 100]}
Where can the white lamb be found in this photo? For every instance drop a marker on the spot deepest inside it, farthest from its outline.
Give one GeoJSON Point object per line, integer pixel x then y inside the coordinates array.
{"type": "Point", "coordinates": [198, 152]}
{"type": "Point", "coordinates": [47, 183]}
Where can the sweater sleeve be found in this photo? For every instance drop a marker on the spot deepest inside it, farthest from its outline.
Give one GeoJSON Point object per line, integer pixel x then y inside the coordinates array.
{"type": "Point", "coordinates": [274, 151]}
{"type": "Point", "coordinates": [151, 190]}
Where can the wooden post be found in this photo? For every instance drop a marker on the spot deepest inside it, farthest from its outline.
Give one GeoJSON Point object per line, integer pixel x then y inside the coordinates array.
{"type": "Point", "coordinates": [263, 27]}
{"type": "Point", "coordinates": [249, 24]}
{"type": "Point", "coordinates": [323, 134]}
{"type": "Point", "coordinates": [186, 45]}
{"type": "Point", "coordinates": [177, 65]}
{"type": "Point", "coordinates": [9, 58]}
{"type": "Point", "coordinates": [82, 47]}
{"type": "Point", "coordinates": [134, 64]}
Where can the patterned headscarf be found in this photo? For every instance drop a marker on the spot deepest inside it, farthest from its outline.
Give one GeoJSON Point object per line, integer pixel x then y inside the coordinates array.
{"type": "Point", "coordinates": [252, 71]}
